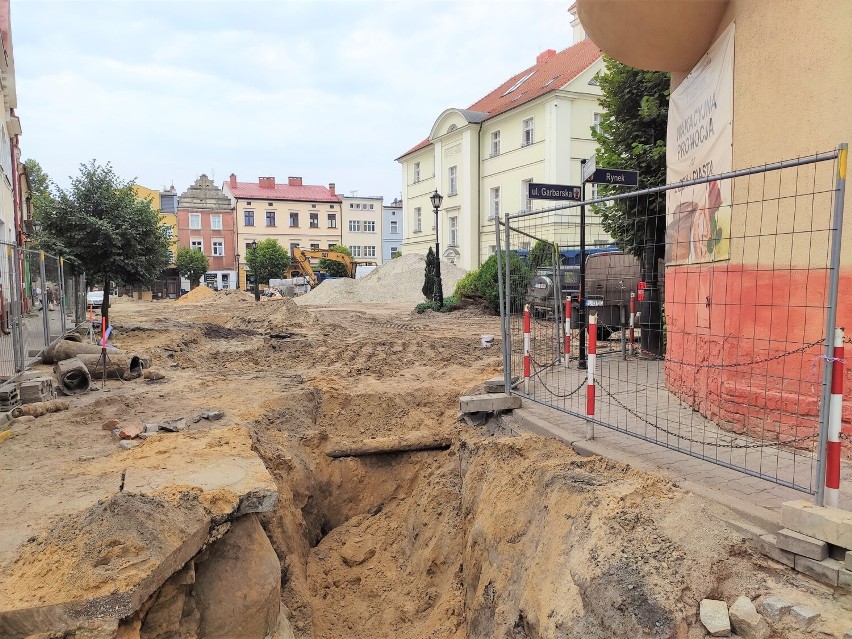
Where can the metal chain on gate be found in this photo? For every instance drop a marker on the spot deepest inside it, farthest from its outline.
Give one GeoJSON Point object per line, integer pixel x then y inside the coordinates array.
{"type": "Point", "coordinates": [699, 441]}
{"type": "Point", "coordinates": [773, 358]}
{"type": "Point", "coordinates": [541, 369]}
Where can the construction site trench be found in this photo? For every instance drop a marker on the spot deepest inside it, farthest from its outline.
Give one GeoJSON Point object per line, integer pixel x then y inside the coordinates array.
{"type": "Point", "coordinates": [493, 533]}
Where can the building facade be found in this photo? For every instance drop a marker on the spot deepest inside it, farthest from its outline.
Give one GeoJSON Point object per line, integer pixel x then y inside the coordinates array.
{"type": "Point", "coordinates": [10, 130]}
{"type": "Point", "coordinates": [362, 227]}
{"type": "Point", "coordinates": [392, 230]}
{"type": "Point", "coordinates": [535, 127]}
{"type": "Point", "coordinates": [205, 222]}
{"type": "Point", "coordinates": [293, 214]}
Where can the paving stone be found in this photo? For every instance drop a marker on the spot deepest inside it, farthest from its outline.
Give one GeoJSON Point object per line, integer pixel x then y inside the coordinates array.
{"type": "Point", "coordinates": [803, 616]}
{"type": "Point", "coordinates": [831, 525]}
{"type": "Point", "coordinates": [826, 571]}
{"type": "Point", "coordinates": [489, 402]}
{"type": "Point", "coordinates": [714, 617]}
{"type": "Point", "coordinates": [768, 545]}
{"type": "Point", "coordinates": [773, 607]}
{"type": "Point", "coordinates": [802, 544]}
{"type": "Point", "coordinates": [746, 621]}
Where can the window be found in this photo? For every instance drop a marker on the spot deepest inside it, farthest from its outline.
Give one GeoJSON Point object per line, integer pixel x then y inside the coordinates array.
{"type": "Point", "coordinates": [171, 256]}
{"type": "Point", "coordinates": [495, 143]}
{"type": "Point", "coordinates": [354, 226]}
{"type": "Point", "coordinates": [525, 246]}
{"type": "Point", "coordinates": [216, 222]}
{"type": "Point", "coordinates": [394, 251]}
{"type": "Point", "coordinates": [248, 248]}
{"type": "Point", "coordinates": [371, 207]}
{"type": "Point", "coordinates": [195, 220]}
{"type": "Point", "coordinates": [248, 218]}
{"type": "Point", "coordinates": [314, 220]}
{"type": "Point", "coordinates": [248, 202]}
{"type": "Point", "coordinates": [369, 226]}
{"type": "Point", "coordinates": [331, 245]}
{"type": "Point", "coordinates": [369, 251]}
{"type": "Point", "coordinates": [526, 204]}
{"type": "Point", "coordinates": [417, 171]}
{"type": "Point", "coordinates": [355, 250]}
{"type": "Point", "coordinates": [418, 220]}
{"type": "Point", "coordinates": [315, 246]}
{"type": "Point", "coordinates": [529, 135]}
{"type": "Point", "coordinates": [454, 230]}
{"type": "Point", "coordinates": [293, 245]}
{"type": "Point", "coordinates": [358, 206]}
{"type": "Point", "coordinates": [331, 206]}
{"type": "Point", "coordinates": [270, 218]}
{"type": "Point", "coordinates": [492, 249]}
{"type": "Point", "coordinates": [452, 174]}
{"type": "Point", "coordinates": [196, 245]}
{"type": "Point", "coordinates": [494, 201]}
{"type": "Point", "coordinates": [394, 227]}
{"type": "Point", "coordinates": [597, 122]}
{"type": "Point", "coordinates": [218, 248]}
{"type": "Point", "coordinates": [167, 232]}
{"type": "Point", "coordinates": [313, 206]}
{"type": "Point", "coordinates": [294, 219]}
{"type": "Point", "coordinates": [351, 206]}
{"type": "Point", "coordinates": [332, 220]}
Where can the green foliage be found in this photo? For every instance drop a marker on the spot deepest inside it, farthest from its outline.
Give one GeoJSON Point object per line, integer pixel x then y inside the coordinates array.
{"type": "Point", "coordinates": [268, 261]}
{"type": "Point", "coordinates": [542, 254]}
{"type": "Point", "coordinates": [428, 289]}
{"type": "Point", "coordinates": [633, 136]}
{"type": "Point", "coordinates": [335, 269]}
{"type": "Point", "coordinates": [42, 198]}
{"type": "Point", "coordinates": [450, 304]}
{"type": "Point", "coordinates": [99, 225]}
{"type": "Point", "coordinates": [482, 283]}
{"type": "Point", "coordinates": [191, 264]}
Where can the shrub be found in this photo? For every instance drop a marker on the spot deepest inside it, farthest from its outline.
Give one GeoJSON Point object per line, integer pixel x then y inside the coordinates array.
{"type": "Point", "coordinates": [428, 289]}
{"type": "Point", "coordinates": [483, 284]}
{"type": "Point", "coordinates": [450, 303]}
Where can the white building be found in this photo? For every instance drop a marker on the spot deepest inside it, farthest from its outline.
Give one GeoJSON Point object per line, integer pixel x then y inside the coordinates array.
{"type": "Point", "coordinates": [392, 230]}
{"type": "Point", "coordinates": [362, 227]}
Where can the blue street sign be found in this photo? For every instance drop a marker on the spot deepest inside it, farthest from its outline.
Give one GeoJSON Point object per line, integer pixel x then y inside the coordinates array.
{"type": "Point", "coordinates": [615, 176]}
{"type": "Point", "coordinates": [554, 192]}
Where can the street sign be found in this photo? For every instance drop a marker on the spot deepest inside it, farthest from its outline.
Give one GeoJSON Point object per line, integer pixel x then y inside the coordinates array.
{"type": "Point", "coordinates": [587, 169]}
{"type": "Point", "coordinates": [554, 192]}
{"type": "Point", "coordinates": [615, 176]}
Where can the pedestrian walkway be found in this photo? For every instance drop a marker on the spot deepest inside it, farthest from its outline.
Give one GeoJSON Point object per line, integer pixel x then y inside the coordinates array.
{"type": "Point", "coordinates": [757, 500]}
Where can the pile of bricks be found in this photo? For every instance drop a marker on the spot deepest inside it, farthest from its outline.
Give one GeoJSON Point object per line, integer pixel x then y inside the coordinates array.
{"type": "Point", "coordinates": [815, 541]}
{"type": "Point", "coordinates": [9, 397]}
{"type": "Point", "coordinates": [39, 389]}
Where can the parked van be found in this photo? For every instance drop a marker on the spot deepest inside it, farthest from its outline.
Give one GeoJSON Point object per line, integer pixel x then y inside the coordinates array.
{"type": "Point", "coordinates": [610, 278]}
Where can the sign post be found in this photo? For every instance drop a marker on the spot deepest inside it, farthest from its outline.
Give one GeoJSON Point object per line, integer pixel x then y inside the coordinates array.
{"type": "Point", "coordinates": [581, 317]}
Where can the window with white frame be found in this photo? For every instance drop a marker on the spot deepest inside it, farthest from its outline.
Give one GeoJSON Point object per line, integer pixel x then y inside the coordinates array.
{"type": "Point", "coordinates": [371, 207]}
{"type": "Point", "coordinates": [494, 202]}
{"type": "Point", "coordinates": [492, 249]}
{"type": "Point", "coordinates": [248, 218]}
{"type": "Point", "coordinates": [369, 251]}
{"type": "Point", "coordinates": [314, 219]}
{"type": "Point", "coordinates": [495, 143]}
{"type": "Point", "coordinates": [351, 205]}
{"type": "Point", "coordinates": [454, 230]}
{"type": "Point", "coordinates": [294, 219]}
{"type": "Point", "coordinates": [195, 220]}
{"type": "Point", "coordinates": [358, 206]}
{"type": "Point", "coordinates": [216, 222]}
{"type": "Point", "coordinates": [196, 245]}
{"type": "Point", "coordinates": [369, 226]}
{"type": "Point", "coordinates": [418, 220]}
{"type": "Point", "coordinates": [529, 133]}
{"type": "Point", "coordinates": [394, 227]}
{"type": "Point", "coordinates": [394, 251]}
{"type": "Point", "coordinates": [452, 175]}
{"type": "Point", "coordinates": [332, 220]}
{"type": "Point", "coordinates": [315, 245]}
{"type": "Point", "coordinates": [218, 248]}
{"type": "Point", "coordinates": [355, 250]}
{"type": "Point", "coordinates": [168, 233]}
{"type": "Point", "coordinates": [597, 122]}
{"type": "Point", "coordinates": [171, 256]}
{"type": "Point", "coordinates": [417, 171]}
{"type": "Point", "coordinates": [354, 226]}
{"type": "Point", "coordinates": [526, 203]}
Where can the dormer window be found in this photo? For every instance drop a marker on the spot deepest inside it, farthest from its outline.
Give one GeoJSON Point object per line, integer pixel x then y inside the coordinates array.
{"type": "Point", "coordinates": [519, 83]}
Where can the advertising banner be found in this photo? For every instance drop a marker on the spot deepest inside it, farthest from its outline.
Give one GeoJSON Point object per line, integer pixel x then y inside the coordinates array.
{"type": "Point", "coordinates": [699, 144]}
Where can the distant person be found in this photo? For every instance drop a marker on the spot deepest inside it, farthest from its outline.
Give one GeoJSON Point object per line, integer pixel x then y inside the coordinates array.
{"type": "Point", "coordinates": [37, 296]}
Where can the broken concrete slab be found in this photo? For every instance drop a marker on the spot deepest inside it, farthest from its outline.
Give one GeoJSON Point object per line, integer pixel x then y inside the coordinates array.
{"type": "Point", "coordinates": [848, 561]}
{"type": "Point", "coordinates": [804, 616]}
{"type": "Point", "coordinates": [800, 544]}
{"type": "Point", "coordinates": [768, 545]}
{"type": "Point", "coordinates": [746, 621]}
{"type": "Point", "coordinates": [173, 425]}
{"type": "Point", "coordinates": [773, 607]}
{"type": "Point", "coordinates": [129, 430]}
{"type": "Point", "coordinates": [714, 617]}
{"type": "Point", "coordinates": [497, 384]}
{"type": "Point", "coordinates": [831, 525]}
{"type": "Point", "coordinates": [844, 578]}
{"type": "Point", "coordinates": [488, 402]}
{"type": "Point", "coordinates": [826, 571]}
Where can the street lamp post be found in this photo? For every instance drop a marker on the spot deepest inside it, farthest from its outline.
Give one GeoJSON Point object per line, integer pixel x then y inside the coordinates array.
{"type": "Point", "coordinates": [438, 296]}
{"type": "Point", "coordinates": [237, 269]}
{"type": "Point", "coordinates": [254, 270]}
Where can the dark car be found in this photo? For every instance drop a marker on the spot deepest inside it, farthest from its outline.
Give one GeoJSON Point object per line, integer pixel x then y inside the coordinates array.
{"type": "Point", "coordinates": [541, 292]}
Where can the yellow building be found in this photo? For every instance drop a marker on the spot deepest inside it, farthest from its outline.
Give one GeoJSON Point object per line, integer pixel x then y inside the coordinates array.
{"type": "Point", "coordinates": [535, 127]}
{"type": "Point", "coordinates": [293, 214]}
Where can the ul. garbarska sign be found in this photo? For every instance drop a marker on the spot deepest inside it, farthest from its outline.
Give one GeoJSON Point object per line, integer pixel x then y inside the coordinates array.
{"type": "Point", "coordinates": [699, 144]}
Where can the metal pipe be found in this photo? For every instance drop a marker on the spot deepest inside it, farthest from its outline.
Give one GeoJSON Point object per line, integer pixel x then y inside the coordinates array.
{"type": "Point", "coordinates": [44, 318]}
{"type": "Point", "coordinates": [508, 283]}
{"type": "Point", "coordinates": [504, 316]}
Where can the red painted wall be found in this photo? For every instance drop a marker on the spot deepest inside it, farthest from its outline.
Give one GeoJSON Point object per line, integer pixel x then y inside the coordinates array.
{"type": "Point", "coordinates": [228, 234]}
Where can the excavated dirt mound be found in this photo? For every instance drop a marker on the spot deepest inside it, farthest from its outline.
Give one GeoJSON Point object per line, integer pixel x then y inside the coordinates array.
{"type": "Point", "coordinates": [198, 294]}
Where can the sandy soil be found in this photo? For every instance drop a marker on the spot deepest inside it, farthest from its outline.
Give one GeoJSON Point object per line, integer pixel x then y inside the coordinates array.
{"type": "Point", "coordinates": [500, 536]}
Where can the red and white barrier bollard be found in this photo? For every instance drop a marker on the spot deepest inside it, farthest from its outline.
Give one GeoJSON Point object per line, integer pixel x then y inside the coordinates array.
{"type": "Point", "coordinates": [591, 360]}
{"type": "Point", "coordinates": [835, 409]}
{"type": "Point", "coordinates": [567, 330]}
{"type": "Point", "coordinates": [527, 348]}
{"type": "Point", "coordinates": [632, 321]}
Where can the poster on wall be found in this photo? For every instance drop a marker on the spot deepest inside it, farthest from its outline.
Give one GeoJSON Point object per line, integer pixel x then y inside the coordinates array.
{"type": "Point", "coordinates": [699, 144]}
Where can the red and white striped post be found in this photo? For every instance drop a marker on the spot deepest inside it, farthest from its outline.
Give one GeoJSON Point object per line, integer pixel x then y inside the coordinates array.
{"type": "Point", "coordinates": [632, 320]}
{"type": "Point", "coordinates": [527, 348]}
{"type": "Point", "coordinates": [591, 358]}
{"type": "Point", "coordinates": [835, 409]}
{"type": "Point", "coordinates": [567, 330]}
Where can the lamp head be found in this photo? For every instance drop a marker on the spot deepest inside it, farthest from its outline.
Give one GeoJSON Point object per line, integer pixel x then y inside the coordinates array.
{"type": "Point", "coordinates": [436, 198]}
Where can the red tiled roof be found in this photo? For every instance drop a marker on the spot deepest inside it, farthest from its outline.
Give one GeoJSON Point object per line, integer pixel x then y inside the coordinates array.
{"type": "Point", "coordinates": [305, 193]}
{"type": "Point", "coordinates": [547, 75]}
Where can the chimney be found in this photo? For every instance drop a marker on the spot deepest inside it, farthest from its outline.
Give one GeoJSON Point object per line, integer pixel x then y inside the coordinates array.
{"type": "Point", "coordinates": [545, 55]}
{"type": "Point", "coordinates": [331, 188]}
{"type": "Point", "coordinates": [232, 182]}
{"type": "Point", "coordinates": [266, 182]}
{"type": "Point", "coordinates": [294, 181]}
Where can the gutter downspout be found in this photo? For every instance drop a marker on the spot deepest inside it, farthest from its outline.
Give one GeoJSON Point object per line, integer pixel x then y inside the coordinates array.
{"type": "Point", "coordinates": [479, 196]}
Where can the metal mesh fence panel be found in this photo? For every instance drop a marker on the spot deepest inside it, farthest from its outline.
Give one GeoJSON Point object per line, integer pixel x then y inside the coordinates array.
{"type": "Point", "coordinates": [711, 319]}
{"type": "Point", "coordinates": [53, 297]}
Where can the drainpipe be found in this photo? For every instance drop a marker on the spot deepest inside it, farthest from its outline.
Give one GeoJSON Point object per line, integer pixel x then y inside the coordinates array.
{"type": "Point", "coordinates": [479, 197]}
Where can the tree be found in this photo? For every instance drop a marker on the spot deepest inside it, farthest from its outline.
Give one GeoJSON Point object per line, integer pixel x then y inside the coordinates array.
{"type": "Point", "coordinates": [99, 225]}
{"type": "Point", "coordinates": [42, 198]}
{"type": "Point", "coordinates": [335, 269]}
{"type": "Point", "coordinates": [191, 264]}
{"type": "Point", "coordinates": [268, 261]}
{"type": "Point", "coordinates": [543, 254]}
{"type": "Point", "coordinates": [429, 279]}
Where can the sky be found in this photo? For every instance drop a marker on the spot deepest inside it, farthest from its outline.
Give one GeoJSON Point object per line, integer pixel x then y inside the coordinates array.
{"type": "Point", "coordinates": [328, 91]}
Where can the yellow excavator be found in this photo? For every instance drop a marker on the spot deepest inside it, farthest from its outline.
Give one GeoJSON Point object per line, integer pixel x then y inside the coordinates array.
{"type": "Point", "coordinates": [301, 265]}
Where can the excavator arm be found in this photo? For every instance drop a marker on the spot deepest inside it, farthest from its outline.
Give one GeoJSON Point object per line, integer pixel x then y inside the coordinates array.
{"type": "Point", "coordinates": [304, 265]}
{"type": "Point", "coordinates": [302, 258]}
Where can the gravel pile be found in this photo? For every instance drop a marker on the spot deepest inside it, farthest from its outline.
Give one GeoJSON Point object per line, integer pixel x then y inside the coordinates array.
{"type": "Point", "coordinates": [400, 280]}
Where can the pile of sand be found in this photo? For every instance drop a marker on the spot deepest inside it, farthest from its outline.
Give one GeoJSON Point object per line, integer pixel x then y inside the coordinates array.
{"type": "Point", "coordinates": [400, 280]}
{"type": "Point", "coordinates": [197, 294]}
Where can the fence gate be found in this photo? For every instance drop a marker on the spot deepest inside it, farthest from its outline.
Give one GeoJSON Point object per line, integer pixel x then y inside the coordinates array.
{"type": "Point", "coordinates": [737, 291]}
